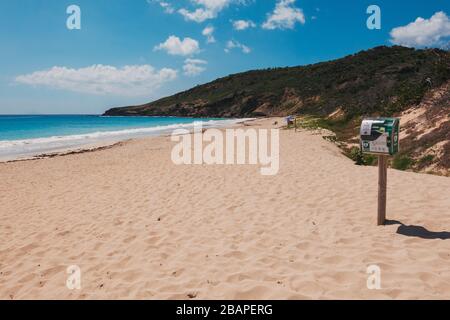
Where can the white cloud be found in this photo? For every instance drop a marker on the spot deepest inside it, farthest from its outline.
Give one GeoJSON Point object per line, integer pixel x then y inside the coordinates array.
{"type": "Point", "coordinates": [208, 9]}
{"type": "Point", "coordinates": [175, 46]}
{"type": "Point", "coordinates": [243, 24]}
{"type": "Point", "coordinates": [100, 79]}
{"type": "Point", "coordinates": [193, 67]}
{"type": "Point", "coordinates": [208, 33]}
{"type": "Point", "coordinates": [168, 8]}
{"type": "Point", "coordinates": [423, 32]}
{"type": "Point", "coordinates": [199, 15]}
{"type": "Point", "coordinates": [284, 16]}
{"type": "Point", "coordinates": [231, 44]}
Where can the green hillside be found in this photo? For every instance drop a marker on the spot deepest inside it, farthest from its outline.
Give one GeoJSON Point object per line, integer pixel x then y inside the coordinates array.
{"type": "Point", "coordinates": [383, 80]}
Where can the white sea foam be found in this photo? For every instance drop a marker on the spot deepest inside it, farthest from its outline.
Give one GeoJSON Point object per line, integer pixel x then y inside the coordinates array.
{"type": "Point", "coordinates": [11, 149]}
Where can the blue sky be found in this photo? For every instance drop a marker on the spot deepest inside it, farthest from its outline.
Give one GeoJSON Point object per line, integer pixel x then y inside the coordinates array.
{"type": "Point", "coordinates": [132, 52]}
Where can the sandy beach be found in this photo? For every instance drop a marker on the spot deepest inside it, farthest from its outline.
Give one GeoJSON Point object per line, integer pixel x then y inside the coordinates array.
{"type": "Point", "coordinates": [141, 227]}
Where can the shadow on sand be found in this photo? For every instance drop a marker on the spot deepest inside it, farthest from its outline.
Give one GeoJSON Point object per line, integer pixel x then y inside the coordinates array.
{"type": "Point", "coordinates": [418, 231]}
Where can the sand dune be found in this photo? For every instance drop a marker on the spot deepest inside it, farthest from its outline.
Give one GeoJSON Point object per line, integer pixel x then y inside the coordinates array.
{"type": "Point", "coordinates": [140, 227]}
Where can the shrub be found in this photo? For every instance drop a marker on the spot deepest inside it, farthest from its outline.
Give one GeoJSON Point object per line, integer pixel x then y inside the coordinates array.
{"type": "Point", "coordinates": [361, 159]}
{"type": "Point", "coordinates": [402, 162]}
{"type": "Point", "coordinates": [357, 156]}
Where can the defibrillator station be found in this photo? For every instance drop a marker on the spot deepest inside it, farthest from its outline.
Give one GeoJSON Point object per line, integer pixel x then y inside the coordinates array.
{"type": "Point", "coordinates": [380, 136]}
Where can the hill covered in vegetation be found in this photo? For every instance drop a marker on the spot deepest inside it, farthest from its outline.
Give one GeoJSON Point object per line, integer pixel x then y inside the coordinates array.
{"type": "Point", "coordinates": [381, 80]}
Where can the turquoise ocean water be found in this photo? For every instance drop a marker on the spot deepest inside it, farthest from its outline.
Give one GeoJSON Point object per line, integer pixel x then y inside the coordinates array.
{"type": "Point", "coordinates": [24, 135]}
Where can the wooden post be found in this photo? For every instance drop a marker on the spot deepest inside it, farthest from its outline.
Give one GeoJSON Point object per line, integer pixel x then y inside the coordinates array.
{"type": "Point", "coordinates": [382, 182]}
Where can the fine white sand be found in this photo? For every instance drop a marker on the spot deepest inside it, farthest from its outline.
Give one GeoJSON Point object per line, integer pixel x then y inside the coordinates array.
{"type": "Point", "coordinates": [141, 227]}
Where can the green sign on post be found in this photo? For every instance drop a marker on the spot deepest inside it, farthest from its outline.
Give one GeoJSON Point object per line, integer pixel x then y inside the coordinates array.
{"type": "Point", "coordinates": [380, 136]}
